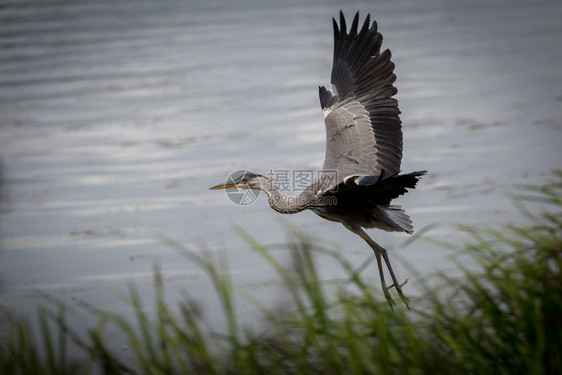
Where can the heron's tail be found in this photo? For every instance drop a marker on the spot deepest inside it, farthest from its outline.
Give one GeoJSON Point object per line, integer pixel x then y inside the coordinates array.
{"type": "Point", "coordinates": [395, 218]}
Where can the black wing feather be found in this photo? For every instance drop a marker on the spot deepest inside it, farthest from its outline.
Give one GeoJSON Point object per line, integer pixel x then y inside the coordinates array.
{"type": "Point", "coordinates": [379, 190]}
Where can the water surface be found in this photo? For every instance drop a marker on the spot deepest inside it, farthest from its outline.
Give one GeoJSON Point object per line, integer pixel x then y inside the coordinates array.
{"type": "Point", "coordinates": [116, 118]}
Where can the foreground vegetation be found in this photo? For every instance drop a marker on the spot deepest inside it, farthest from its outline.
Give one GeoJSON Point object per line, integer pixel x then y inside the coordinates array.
{"type": "Point", "coordinates": [503, 315]}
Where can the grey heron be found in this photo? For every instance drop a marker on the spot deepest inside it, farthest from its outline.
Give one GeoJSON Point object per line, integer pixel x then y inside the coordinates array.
{"type": "Point", "coordinates": [363, 147]}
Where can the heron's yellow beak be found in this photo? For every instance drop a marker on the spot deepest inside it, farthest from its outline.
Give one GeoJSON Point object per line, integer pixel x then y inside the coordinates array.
{"type": "Point", "coordinates": [223, 186]}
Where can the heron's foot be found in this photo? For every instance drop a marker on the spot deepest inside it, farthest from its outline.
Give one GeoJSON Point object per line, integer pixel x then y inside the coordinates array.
{"type": "Point", "coordinates": [405, 299]}
{"type": "Point", "coordinates": [388, 297]}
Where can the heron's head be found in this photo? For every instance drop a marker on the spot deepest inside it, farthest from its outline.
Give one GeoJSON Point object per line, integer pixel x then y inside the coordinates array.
{"type": "Point", "coordinates": [248, 180]}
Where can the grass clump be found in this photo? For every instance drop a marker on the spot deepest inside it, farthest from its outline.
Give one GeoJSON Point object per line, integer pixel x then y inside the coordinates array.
{"type": "Point", "coordinates": [503, 315]}
{"type": "Point", "coordinates": [507, 317]}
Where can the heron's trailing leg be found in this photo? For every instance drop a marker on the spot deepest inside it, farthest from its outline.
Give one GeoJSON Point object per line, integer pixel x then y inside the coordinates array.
{"type": "Point", "coordinates": [397, 285]}
{"type": "Point", "coordinates": [381, 251]}
{"type": "Point", "coordinates": [385, 289]}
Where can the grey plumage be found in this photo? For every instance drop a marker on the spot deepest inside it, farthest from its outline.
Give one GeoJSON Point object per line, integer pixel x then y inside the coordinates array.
{"type": "Point", "coordinates": [363, 130]}
{"type": "Point", "coordinates": [363, 146]}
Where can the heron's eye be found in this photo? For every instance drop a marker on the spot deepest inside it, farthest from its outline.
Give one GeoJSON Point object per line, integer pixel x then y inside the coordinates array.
{"type": "Point", "coordinates": [244, 179]}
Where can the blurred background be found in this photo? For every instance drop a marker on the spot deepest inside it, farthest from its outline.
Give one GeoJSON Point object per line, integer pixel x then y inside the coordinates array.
{"type": "Point", "coordinates": [116, 118]}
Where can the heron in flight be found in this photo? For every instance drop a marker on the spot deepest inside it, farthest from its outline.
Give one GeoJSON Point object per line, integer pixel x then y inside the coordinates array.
{"type": "Point", "coordinates": [363, 147]}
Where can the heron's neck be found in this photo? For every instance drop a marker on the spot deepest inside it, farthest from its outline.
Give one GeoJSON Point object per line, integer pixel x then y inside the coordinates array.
{"type": "Point", "coordinates": [280, 202]}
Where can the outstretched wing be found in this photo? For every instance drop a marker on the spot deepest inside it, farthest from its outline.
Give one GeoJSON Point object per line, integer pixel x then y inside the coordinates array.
{"type": "Point", "coordinates": [363, 127]}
